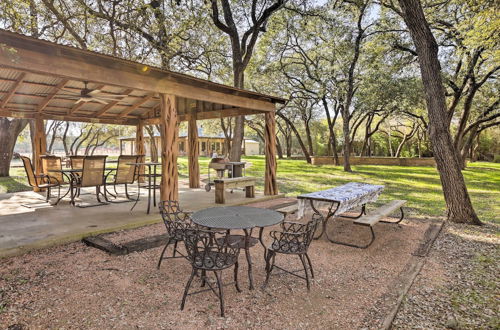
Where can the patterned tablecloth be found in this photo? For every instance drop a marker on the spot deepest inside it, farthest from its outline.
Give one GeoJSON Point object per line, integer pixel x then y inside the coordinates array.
{"type": "Point", "coordinates": [349, 196]}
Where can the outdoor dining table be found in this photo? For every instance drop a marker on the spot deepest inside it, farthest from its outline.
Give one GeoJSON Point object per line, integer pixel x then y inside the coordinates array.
{"type": "Point", "coordinates": [151, 175]}
{"type": "Point", "coordinates": [239, 217]}
{"type": "Point", "coordinates": [70, 173]}
{"type": "Point", "coordinates": [337, 201]}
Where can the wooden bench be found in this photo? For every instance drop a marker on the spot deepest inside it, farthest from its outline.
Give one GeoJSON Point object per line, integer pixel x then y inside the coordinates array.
{"type": "Point", "coordinates": [289, 209]}
{"type": "Point", "coordinates": [230, 183]}
{"type": "Point", "coordinates": [374, 217]}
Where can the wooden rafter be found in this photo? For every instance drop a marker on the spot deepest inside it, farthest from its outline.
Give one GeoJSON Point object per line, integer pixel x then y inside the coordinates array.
{"type": "Point", "coordinates": [111, 104]}
{"type": "Point", "coordinates": [49, 97]}
{"type": "Point", "coordinates": [13, 90]}
{"type": "Point", "coordinates": [63, 117]}
{"type": "Point", "coordinates": [137, 104]}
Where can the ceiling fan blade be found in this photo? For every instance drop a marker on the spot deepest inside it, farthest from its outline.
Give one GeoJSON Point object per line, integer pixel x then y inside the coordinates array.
{"type": "Point", "coordinates": [66, 97]}
{"type": "Point", "coordinates": [70, 91]}
{"type": "Point", "coordinates": [108, 99]}
{"type": "Point", "coordinates": [94, 92]}
{"type": "Point", "coordinates": [113, 95]}
{"type": "Point", "coordinates": [81, 100]}
{"type": "Point", "coordinates": [99, 100]}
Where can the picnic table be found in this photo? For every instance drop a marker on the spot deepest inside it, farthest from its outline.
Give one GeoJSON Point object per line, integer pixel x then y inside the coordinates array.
{"type": "Point", "coordinates": [338, 200]}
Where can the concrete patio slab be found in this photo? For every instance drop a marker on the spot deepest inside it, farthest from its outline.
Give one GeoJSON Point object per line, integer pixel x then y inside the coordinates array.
{"type": "Point", "coordinates": [23, 229]}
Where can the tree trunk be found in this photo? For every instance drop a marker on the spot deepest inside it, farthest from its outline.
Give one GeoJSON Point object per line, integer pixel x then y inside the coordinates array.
{"type": "Point", "coordinates": [331, 126]}
{"type": "Point", "coordinates": [239, 122]}
{"type": "Point", "coordinates": [347, 142]}
{"type": "Point", "coordinates": [9, 131]}
{"type": "Point", "coordinates": [279, 148]}
{"type": "Point", "coordinates": [459, 205]}
{"type": "Point", "coordinates": [299, 138]}
{"type": "Point", "coordinates": [309, 138]}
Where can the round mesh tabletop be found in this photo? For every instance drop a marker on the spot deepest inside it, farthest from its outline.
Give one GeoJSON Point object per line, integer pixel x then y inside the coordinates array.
{"type": "Point", "coordinates": [236, 217]}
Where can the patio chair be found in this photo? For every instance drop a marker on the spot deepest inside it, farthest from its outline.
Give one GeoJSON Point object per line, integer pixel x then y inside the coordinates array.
{"type": "Point", "coordinates": [293, 239]}
{"type": "Point", "coordinates": [52, 166]}
{"type": "Point", "coordinates": [210, 251]}
{"type": "Point", "coordinates": [176, 221]}
{"type": "Point", "coordinates": [76, 162]}
{"type": "Point", "coordinates": [125, 174]}
{"type": "Point", "coordinates": [42, 181]}
{"type": "Point", "coordinates": [92, 175]}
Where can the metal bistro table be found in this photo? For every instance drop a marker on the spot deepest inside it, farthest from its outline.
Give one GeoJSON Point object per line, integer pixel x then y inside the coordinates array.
{"type": "Point", "coordinates": [152, 174]}
{"type": "Point", "coordinates": [337, 201]}
{"type": "Point", "coordinates": [239, 217]}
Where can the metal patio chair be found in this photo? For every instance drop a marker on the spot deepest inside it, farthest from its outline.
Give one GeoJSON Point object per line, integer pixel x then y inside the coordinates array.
{"type": "Point", "coordinates": [176, 221]}
{"type": "Point", "coordinates": [293, 239]}
{"type": "Point", "coordinates": [76, 162]}
{"type": "Point", "coordinates": [92, 175]}
{"type": "Point", "coordinates": [52, 167]}
{"type": "Point", "coordinates": [42, 181]}
{"type": "Point", "coordinates": [210, 251]}
{"type": "Point", "coordinates": [125, 174]}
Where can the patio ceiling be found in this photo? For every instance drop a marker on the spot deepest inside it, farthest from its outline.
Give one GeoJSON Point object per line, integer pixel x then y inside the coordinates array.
{"type": "Point", "coordinates": [36, 75]}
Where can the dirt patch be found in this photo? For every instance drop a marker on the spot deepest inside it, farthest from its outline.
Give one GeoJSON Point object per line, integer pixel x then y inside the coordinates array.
{"type": "Point", "coordinates": [458, 286]}
{"type": "Point", "coordinates": [75, 286]}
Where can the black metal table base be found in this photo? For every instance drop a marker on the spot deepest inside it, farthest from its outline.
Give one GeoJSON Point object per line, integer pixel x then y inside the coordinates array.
{"type": "Point", "coordinates": [331, 213]}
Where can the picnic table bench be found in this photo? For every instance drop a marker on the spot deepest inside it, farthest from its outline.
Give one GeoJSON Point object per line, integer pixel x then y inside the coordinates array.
{"type": "Point", "coordinates": [376, 216]}
{"type": "Point", "coordinates": [345, 198]}
{"type": "Point", "coordinates": [222, 184]}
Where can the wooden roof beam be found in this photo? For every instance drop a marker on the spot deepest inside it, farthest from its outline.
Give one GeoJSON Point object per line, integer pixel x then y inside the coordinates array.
{"type": "Point", "coordinates": [49, 97]}
{"type": "Point", "coordinates": [14, 113]}
{"type": "Point", "coordinates": [13, 90]}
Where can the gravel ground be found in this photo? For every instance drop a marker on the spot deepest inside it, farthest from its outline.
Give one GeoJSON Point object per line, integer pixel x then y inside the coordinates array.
{"type": "Point", "coordinates": [75, 286]}
{"type": "Point", "coordinates": [458, 286]}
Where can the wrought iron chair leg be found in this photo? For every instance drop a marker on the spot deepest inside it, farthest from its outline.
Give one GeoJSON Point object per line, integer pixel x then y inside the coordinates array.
{"type": "Point", "coordinates": [162, 253]}
{"type": "Point", "coordinates": [203, 278]}
{"type": "Point", "coordinates": [310, 265]}
{"type": "Point", "coordinates": [236, 284]}
{"type": "Point", "coordinates": [270, 255]}
{"type": "Point", "coordinates": [301, 256]}
{"type": "Point", "coordinates": [186, 289]}
{"type": "Point", "coordinates": [47, 198]}
{"type": "Point", "coordinates": [175, 248]}
{"type": "Point", "coordinates": [221, 292]}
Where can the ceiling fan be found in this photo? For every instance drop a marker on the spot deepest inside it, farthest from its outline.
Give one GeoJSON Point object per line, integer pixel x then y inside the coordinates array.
{"type": "Point", "coordinates": [88, 95]}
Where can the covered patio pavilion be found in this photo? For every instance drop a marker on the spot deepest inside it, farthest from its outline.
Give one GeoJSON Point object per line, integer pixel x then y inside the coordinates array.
{"type": "Point", "coordinates": [35, 76]}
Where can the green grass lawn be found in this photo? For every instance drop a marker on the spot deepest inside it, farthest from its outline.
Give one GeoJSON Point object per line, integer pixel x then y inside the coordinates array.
{"type": "Point", "coordinates": [419, 185]}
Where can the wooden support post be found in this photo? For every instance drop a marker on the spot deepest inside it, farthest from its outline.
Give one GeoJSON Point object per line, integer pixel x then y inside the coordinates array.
{"type": "Point", "coordinates": [39, 147]}
{"type": "Point", "coordinates": [193, 152]}
{"type": "Point", "coordinates": [270, 184]}
{"type": "Point", "coordinates": [169, 130]}
{"type": "Point", "coordinates": [139, 147]}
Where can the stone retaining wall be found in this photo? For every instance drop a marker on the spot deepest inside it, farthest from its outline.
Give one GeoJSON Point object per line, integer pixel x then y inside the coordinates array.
{"type": "Point", "coordinates": [328, 160]}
